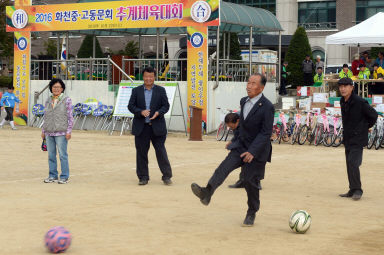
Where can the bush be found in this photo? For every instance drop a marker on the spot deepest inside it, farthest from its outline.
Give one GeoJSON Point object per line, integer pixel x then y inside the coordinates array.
{"type": "Point", "coordinates": [375, 52]}
{"type": "Point", "coordinates": [86, 48]}
{"type": "Point", "coordinates": [298, 48]}
{"type": "Point", "coordinates": [5, 81]}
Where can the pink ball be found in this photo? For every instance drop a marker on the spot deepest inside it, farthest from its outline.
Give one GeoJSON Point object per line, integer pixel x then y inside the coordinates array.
{"type": "Point", "coordinates": [58, 239]}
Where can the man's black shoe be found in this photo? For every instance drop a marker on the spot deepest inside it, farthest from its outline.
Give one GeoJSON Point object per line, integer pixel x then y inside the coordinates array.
{"type": "Point", "coordinates": [143, 182]}
{"type": "Point", "coordinates": [237, 185]}
{"type": "Point", "coordinates": [348, 194]}
{"type": "Point", "coordinates": [201, 193]}
{"type": "Point", "coordinates": [249, 220]}
{"type": "Point", "coordinates": [357, 195]}
{"type": "Point", "coordinates": [167, 181]}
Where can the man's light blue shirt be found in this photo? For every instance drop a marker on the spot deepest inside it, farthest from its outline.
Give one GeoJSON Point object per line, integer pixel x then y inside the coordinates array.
{"type": "Point", "coordinates": [148, 98]}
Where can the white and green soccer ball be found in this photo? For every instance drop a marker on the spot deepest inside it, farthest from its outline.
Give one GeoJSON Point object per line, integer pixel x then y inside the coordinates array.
{"type": "Point", "coordinates": [300, 221]}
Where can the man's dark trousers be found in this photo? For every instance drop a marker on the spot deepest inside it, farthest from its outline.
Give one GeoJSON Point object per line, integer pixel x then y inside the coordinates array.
{"type": "Point", "coordinates": [142, 143]}
{"type": "Point", "coordinates": [354, 156]}
{"type": "Point", "coordinates": [250, 173]}
{"type": "Point", "coordinates": [308, 79]}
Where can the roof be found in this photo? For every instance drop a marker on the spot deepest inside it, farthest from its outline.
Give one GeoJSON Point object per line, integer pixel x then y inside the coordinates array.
{"type": "Point", "coordinates": [233, 18]}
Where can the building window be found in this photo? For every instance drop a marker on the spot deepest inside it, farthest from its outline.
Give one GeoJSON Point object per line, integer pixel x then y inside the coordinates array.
{"type": "Point", "coordinates": [317, 15]}
{"type": "Point", "coordinates": [367, 8]}
{"type": "Point", "coordinates": [269, 5]}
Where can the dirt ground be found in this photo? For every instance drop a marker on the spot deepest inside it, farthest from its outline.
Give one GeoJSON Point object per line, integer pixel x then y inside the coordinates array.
{"type": "Point", "coordinates": [108, 213]}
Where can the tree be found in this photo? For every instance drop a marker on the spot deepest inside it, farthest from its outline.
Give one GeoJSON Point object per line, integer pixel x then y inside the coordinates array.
{"type": "Point", "coordinates": [298, 48]}
{"type": "Point", "coordinates": [86, 48]}
{"type": "Point", "coordinates": [235, 51]}
{"type": "Point", "coordinates": [51, 48]}
{"type": "Point", "coordinates": [132, 49]}
{"type": "Point", "coordinates": [6, 38]}
{"type": "Point", "coordinates": [375, 52]}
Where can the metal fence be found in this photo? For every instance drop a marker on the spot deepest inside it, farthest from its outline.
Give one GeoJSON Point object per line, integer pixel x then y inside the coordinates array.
{"type": "Point", "coordinates": [169, 69]}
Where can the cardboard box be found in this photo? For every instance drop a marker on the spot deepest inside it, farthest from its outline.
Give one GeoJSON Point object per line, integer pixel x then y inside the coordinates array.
{"type": "Point", "coordinates": [305, 104]}
{"type": "Point", "coordinates": [320, 97]}
{"type": "Point", "coordinates": [289, 105]}
{"type": "Point", "coordinates": [307, 91]}
{"type": "Point", "coordinates": [380, 108]}
{"type": "Point", "coordinates": [377, 99]}
{"type": "Point", "coordinates": [319, 105]}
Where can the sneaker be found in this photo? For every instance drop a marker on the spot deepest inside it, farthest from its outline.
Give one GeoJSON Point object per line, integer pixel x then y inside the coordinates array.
{"type": "Point", "coordinates": [14, 128]}
{"type": "Point", "coordinates": [63, 181]}
{"type": "Point", "coordinates": [50, 180]}
{"type": "Point", "coordinates": [249, 220]}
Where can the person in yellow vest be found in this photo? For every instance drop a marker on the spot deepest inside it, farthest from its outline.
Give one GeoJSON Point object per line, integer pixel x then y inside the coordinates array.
{"type": "Point", "coordinates": [319, 77]}
{"type": "Point", "coordinates": [377, 74]}
{"type": "Point", "coordinates": [345, 73]}
{"type": "Point", "coordinates": [364, 72]}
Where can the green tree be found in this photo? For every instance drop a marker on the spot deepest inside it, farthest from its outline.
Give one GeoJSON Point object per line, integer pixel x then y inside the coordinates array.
{"type": "Point", "coordinates": [6, 38]}
{"type": "Point", "coordinates": [375, 52]}
{"type": "Point", "coordinates": [51, 48]}
{"type": "Point", "coordinates": [235, 51]}
{"type": "Point", "coordinates": [132, 49]}
{"type": "Point", "coordinates": [86, 48]}
{"type": "Point", "coordinates": [298, 48]}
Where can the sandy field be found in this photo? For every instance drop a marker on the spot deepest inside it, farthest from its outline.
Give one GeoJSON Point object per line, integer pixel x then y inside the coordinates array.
{"type": "Point", "coordinates": [108, 213]}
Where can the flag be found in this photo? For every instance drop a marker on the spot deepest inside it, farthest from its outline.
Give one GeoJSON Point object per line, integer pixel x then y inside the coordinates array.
{"type": "Point", "coordinates": [63, 55]}
{"type": "Point", "coordinates": [165, 67]}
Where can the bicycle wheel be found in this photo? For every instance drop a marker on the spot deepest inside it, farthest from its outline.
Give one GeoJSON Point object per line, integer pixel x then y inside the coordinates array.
{"type": "Point", "coordinates": [378, 142]}
{"type": "Point", "coordinates": [221, 130]}
{"type": "Point", "coordinates": [328, 137]}
{"type": "Point", "coordinates": [371, 138]}
{"type": "Point", "coordinates": [318, 136]}
{"type": "Point", "coordinates": [338, 138]}
{"type": "Point", "coordinates": [276, 132]}
{"type": "Point", "coordinates": [294, 135]}
{"type": "Point", "coordinates": [303, 135]}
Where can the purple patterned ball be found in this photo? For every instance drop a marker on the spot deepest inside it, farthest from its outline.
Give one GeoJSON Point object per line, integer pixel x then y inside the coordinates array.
{"type": "Point", "coordinates": [58, 239]}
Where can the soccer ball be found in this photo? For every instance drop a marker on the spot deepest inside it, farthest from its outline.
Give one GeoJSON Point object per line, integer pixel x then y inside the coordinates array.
{"type": "Point", "coordinates": [58, 239]}
{"type": "Point", "coordinates": [300, 221]}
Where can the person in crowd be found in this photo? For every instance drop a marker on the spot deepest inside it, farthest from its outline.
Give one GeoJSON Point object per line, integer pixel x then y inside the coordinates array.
{"type": "Point", "coordinates": [319, 77]}
{"type": "Point", "coordinates": [57, 130]}
{"type": "Point", "coordinates": [319, 63]}
{"type": "Point", "coordinates": [380, 59]}
{"type": "Point", "coordinates": [149, 103]}
{"type": "Point", "coordinates": [357, 117]}
{"type": "Point", "coordinates": [377, 74]}
{"type": "Point", "coordinates": [251, 151]}
{"type": "Point", "coordinates": [345, 73]}
{"type": "Point", "coordinates": [355, 64]}
{"type": "Point", "coordinates": [307, 68]}
{"type": "Point", "coordinates": [367, 61]}
{"type": "Point", "coordinates": [284, 77]}
{"type": "Point", "coordinates": [364, 72]}
{"type": "Point", "coordinates": [7, 103]}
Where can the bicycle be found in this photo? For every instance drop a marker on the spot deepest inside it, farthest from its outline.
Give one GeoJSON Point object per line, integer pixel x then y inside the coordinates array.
{"type": "Point", "coordinates": [380, 133]}
{"type": "Point", "coordinates": [337, 139]}
{"type": "Point", "coordinates": [223, 130]}
{"type": "Point", "coordinates": [296, 129]}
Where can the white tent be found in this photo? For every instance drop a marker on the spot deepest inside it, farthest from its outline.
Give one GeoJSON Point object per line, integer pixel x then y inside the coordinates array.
{"type": "Point", "coordinates": [367, 33]}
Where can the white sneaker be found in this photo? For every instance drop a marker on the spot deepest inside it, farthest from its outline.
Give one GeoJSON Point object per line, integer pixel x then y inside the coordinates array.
{"type": "Point", "coordinates": [63, 181]}
{"type": "Point", "coordinates": [14, 128]}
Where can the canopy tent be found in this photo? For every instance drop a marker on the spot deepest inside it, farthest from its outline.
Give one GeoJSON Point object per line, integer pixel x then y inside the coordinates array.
{"type": "Point", "coordinates": [369, 32]}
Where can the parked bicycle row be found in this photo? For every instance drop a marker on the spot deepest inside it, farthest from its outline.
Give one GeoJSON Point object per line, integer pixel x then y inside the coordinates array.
{"type": "Point", "coordinates": [103, 117]}
{"type": "Point", "coordinates": [313, 128]}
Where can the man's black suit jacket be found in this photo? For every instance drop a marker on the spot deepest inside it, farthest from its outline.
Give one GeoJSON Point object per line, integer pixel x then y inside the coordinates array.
{"type": "Point", "coordinates": [159, 103]}
{"type": "Point", "coordinates": [256, 130]}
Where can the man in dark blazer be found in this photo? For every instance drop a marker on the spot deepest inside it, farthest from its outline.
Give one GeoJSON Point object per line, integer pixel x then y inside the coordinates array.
{"type": "Point", "coordinates": [252, 150]}
{"type": "Point", "coordinates": [358, 116]}
{"type": "Point", "coordinates": [149, 103]}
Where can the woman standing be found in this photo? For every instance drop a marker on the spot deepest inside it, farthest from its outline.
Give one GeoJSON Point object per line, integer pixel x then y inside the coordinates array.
{"type": "Point", "coordinates": [57, 129]}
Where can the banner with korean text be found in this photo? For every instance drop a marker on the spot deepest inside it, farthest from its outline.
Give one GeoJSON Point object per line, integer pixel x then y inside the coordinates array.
{"type": "Point", "coordinates": [197, 50]}
{"type": "Point", "coordinates": [21, 69]}
{"type": "Point", "coordinates": [113, 15]}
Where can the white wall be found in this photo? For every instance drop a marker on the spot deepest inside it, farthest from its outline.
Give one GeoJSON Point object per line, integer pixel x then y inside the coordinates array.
{"type": "Point", "coordinates": [226, 96]}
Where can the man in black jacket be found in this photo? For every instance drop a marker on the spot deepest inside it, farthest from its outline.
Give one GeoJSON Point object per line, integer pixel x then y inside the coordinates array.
{"type": "Point", "coordinates": [358, 116]}
{"type": "Point", "coordinates": [149, 103]}
{"type": "Point", "coordinates": [251, 151]}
